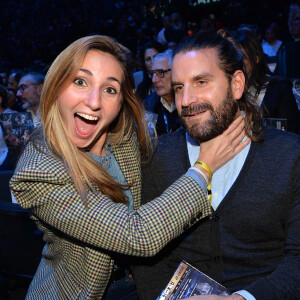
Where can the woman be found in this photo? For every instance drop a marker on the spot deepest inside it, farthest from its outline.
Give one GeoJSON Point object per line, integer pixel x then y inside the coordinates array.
{"type": "Point", "coordinates": [143, 79]}
{"type": "Point", "coordinates": [274, 94]}
{"type": "Point", "coordinates": [80, 175]}
{"type": "Point", "coordinates": [5, 161]}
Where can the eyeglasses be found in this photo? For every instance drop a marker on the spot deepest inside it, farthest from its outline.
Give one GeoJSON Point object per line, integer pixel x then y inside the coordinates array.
{"type": "Point", "coordinates": [159, 73]}
{"type": "Point", "coordinates": [23, 87]}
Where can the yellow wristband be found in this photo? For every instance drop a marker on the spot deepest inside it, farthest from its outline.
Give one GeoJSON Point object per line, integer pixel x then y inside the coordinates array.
{"type": "Point", "coordinates": [205, 167]}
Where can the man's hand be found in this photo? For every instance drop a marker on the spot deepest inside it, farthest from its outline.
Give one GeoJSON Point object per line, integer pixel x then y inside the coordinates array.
{"type": "Point", "coordinates": [215, 297]}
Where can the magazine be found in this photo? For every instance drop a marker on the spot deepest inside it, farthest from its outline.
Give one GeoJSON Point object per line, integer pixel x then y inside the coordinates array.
{"type": "Point", "coordinates": [16, 128]}
{"type": "Point", "coordinates": [187, 281]}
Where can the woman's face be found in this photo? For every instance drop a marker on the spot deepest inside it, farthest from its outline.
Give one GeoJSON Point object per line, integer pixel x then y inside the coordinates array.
{"type": "Point", "coordinates": [93, 100]}
{"type": "Point", "coordinates": [149, 54]}
{"type": "Point", "coordinates": [247, 63]}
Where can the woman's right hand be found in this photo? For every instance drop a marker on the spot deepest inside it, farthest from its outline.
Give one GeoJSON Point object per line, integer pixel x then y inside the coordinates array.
{"type": "Point", "coordinates": [218, 151]}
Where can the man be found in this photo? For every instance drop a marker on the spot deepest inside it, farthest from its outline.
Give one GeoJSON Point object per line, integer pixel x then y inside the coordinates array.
{"type": "Point", "coordinates": [251, 242]}
{"type": "Point", "coordinates": [162, 102]}
{"type": "Point", "coordinates": [12, 86]}
{"type": "Point", "coordinates": [30, 91]}
{"type": "Point", "coordinates": [288, 56]}
{"type": "Point", "coordinates": [13, 80]}
{"type": "Point", "coordinates": [161, 35]}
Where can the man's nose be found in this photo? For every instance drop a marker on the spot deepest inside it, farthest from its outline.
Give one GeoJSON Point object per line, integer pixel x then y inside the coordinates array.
{"type": "Point", "coordinates": [155, 78]}
{"type": "Point", "coordinates": [19, 93]}
{"type": "Point", "coordinates": [187, 96]}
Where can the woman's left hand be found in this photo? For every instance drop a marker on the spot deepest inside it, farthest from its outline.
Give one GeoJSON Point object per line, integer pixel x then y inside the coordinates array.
{"type": "Point", "coordinates": [216, 297]}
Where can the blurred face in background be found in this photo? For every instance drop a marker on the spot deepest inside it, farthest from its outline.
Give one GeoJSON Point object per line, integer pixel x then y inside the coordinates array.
{"type": "Point", "coordinates": [4, 77]}
{"type": "Point", "coordinates": [162, 85]}
{"type": "Point", "coordinates": [295, 30]}
{"type": "Point", "coordinates": [12, 84]}
{"type": "Point", "coordinates": [29, 92]}
{"type": "Point", "coordinates": [148, 56]}
{"type": "Point", "coordinates": [270, 36]}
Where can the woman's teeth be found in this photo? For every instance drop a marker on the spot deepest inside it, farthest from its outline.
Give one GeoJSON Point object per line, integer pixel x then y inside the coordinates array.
{"type": "Point", "coordinates": [87, 117]}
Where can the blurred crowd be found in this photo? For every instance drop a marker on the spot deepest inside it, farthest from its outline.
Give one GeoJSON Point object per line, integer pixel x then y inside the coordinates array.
{"type": "Point", "coordinates": [34, 32]}
{"type": "Point", "coordinates": [268, 33]}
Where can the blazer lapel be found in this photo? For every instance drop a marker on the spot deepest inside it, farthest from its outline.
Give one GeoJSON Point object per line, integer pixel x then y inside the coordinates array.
{"type": "Point", "coordinates": [127, 155]}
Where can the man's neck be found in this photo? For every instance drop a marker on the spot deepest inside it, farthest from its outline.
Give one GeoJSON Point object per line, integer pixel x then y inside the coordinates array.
{"type": "Point", "coordinates": [169, 98]}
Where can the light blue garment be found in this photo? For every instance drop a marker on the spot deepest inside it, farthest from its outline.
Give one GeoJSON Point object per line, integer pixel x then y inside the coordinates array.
{"type": "Point", "coordinates": [224, 177]}
{"type": "Point", "coordinates": [111, 166]}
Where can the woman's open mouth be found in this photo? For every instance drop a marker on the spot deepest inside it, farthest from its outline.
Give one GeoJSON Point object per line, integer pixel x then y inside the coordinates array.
{"type": "Point", "coordinates": [85, 124]}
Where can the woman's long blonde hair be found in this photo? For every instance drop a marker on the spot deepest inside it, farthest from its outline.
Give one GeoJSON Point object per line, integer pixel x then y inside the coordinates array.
{"type": "Point", "coordinates": [82, 169]}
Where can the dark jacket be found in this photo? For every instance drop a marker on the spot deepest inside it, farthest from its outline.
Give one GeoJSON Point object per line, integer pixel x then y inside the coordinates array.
{"type": "Point", "coordinates": [166, 122]}
{"type": "Point", "coordinates": [280, 102]}
{"type": "Point", "coordinates": [252, 240]}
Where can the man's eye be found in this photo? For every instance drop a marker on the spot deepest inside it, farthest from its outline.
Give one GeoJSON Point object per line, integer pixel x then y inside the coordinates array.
{"type": "Point", "coordinates": [177, 89]}
{"type": "Point", "coordinates": [110, 90]}
{"type": "Point", "coordinates": [201, 82]}
{"type": "Point", "coordinates": [80, 82]}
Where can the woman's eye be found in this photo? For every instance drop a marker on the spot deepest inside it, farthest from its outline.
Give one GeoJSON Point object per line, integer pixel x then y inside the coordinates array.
{"type": "Point", "coordinates": [80, 82]}
{"type": "Point", "coordinates": [110, 90]}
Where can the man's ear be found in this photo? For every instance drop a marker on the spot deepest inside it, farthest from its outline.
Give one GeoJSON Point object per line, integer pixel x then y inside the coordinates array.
{"type": "Point", "coordinates": [238, 84]}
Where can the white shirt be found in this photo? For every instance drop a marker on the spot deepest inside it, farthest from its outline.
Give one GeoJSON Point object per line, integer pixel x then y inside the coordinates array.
{"type": "Point", "coordinates": [169, 108]}
{"type": "Point", "coordinates": [36, 119]}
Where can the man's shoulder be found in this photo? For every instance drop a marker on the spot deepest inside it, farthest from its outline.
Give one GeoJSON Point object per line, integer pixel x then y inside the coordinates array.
{"type": "Point", "coordinates": [169, 147]}
{"type": "Point", "coordinates": [151, 101]}
{"type": "Point", "coordinates": [281, 140]}
{"type": "Point", "coordinates": [168, 140]}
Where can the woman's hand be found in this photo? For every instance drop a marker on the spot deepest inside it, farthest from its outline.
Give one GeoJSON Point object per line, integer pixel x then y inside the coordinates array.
{"type": "Point", "coordinates": [219, 150]}
{"type": "Point", "coordinates": [215, 297]}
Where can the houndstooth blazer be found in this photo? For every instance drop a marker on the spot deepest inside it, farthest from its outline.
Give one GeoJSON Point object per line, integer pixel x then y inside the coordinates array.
{"type": "Point", "coordinates": [76, 261]}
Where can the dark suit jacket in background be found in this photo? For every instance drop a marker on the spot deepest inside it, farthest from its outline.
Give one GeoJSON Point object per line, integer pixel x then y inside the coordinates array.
{"type": "Point", "coordinates": [280, 102]}
{"type": "Point", "coordinates": [166, 122]}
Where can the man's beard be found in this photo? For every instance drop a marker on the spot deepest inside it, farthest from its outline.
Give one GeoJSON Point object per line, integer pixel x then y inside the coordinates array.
{"type": "Point", "coordinates": [219, 120]}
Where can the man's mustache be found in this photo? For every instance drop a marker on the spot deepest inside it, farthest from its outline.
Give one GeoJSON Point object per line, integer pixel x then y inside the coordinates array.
{"type": "Point", "coordinates": [194, 109]}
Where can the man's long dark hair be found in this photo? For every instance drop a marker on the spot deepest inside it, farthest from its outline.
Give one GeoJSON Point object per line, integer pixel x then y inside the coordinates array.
{"type": "Point", "coordinates": [229, 61]}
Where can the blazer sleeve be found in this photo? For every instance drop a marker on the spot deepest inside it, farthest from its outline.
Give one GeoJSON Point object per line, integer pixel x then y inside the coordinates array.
{"type": "Point", "coordinates": [42, 185]}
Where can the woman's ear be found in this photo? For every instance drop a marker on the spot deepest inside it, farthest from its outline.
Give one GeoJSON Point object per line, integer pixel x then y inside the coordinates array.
{"type": "Point", "coordinates": [238, 84]}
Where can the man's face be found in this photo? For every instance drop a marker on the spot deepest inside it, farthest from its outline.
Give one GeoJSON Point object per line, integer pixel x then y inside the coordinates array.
{"type": "Point", "coordinates": [4, 78]}
{"type": "Point", "coordinates": [203, 95]}
{"type": "Point", "coordinates": [148, 56]}
{"type": "Point", "coordinates": [162, 85]}
{"type": "Point", "coordinates": [29, 92]}
{"type": "Point", "coordinates": [295, 29]}
{"type": "Point", "coordinates": [12, 84]}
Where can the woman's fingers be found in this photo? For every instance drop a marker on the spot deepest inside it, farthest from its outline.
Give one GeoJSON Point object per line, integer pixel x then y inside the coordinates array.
{"type": "Point", "coordinates": [236, 124]}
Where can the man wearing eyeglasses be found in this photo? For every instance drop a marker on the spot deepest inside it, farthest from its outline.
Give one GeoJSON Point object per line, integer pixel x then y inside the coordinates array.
{"type": "Point", "coordinates": [162, 102]}
{"type": "Point", "coordinates": [30, 90]}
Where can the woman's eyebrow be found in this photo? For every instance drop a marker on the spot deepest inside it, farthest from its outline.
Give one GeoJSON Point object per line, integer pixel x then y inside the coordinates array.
{"type": "Point", "coordinates": [114, 79]}
{"type": "Point", "coordinates": [86, 71]}
{"type": "Point", "coordinates": [111, 78]}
